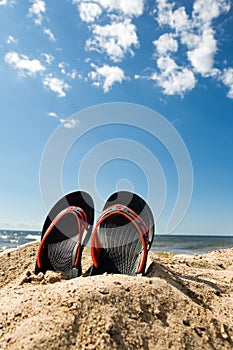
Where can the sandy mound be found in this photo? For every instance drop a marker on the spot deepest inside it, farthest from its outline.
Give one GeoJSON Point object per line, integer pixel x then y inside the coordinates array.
{"type": "Point", "coordinates": [182, 303]}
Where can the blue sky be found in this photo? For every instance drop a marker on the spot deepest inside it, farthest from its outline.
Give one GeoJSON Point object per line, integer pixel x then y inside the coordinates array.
{"type": "Point", "coordinates": [176, 58]}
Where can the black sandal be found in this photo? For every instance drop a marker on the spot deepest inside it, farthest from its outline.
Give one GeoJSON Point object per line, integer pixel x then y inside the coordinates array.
{"type": "Point", "coordinates": [65, 233]}
{"type": "Point", "coordinates": [122, 236]}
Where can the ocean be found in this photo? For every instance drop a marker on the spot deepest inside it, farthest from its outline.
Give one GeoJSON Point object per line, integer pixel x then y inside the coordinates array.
{"type": "Point", "coordinates": [15, 238]}
{"type": "Point", "coordinates": [174, 244]}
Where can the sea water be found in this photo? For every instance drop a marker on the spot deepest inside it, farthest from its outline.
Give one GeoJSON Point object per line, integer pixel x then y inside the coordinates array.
{"type": "Point", "coordinates": [15, 238]}
{"type": "Point", "coordinates": [173, 243]}
{"type": "Point", "coordinates": [190, 244]}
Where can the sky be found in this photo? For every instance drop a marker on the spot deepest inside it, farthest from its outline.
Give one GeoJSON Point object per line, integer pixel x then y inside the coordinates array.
{"type": "Point", "coordinates": [58, 59]}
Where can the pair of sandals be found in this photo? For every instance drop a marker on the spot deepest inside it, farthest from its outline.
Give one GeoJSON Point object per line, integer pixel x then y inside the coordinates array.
{"type": "Point", "coordinates": [120, 239]}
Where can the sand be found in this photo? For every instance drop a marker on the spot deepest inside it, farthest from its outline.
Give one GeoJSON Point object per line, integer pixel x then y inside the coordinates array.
{"type": "Point", "coordinates": [182, 303]}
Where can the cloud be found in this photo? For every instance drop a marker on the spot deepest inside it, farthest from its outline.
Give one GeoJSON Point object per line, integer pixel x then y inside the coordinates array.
{"type": "Point", "coordinates": [115, 39]}
{"type": "Point", "coordinates": [49, 33]}
{"type": "Point", "coordinates": [70, 123]}
{"type": "Point", "coordinates": [91, 10]}
{"type": "Point", "coordinates": [165, 43]}
{"type": "Point", "coordinates": [53, 115]}
{"type": "Point", "coordinates": [27, 67]}
{"type": "Point", "coordinates": [37, 11]}
{"type": "Point", "coordinates": [173, 78]}
{"type": "Point", "coordinates": [118, 36]}
{"type": "Point", "coordinates": [177, 19]}
{"type": "Point", "coordinates": [67, 123]}
{"type": "Point", "coordinates": [106, 76]}
{"type": "Point", "coordinates": [195, 28]}
{"type": "Point", "coordinates": [11, 40]}
{"type": "Point", "coordinates": [204, 11]}
{"type": "Point", "coordinates": [48, 58]}
{"type": "Point", "coordinates": [23, 64]}
{"type": "Point", "coordinates": [227, 79]}
{"type": "Point", "coordinates": [189, 39]}
{"type": "Point", "coordinates": [58, 86]}
{"type": "Point", "coordinates": [193, 37]}
{"type": "Point", "coordinates": [202, 57]}
{"type": "Point", "coordinates": [62, 65]}
{"type": "Point", "coordinates": [128, 8]}
{"type": "Point", "coordinates": [184, 49]}
{"type": "Point", "coordinates": [72, 74]}
{"type": "Point", "coordinates": [7, 2]}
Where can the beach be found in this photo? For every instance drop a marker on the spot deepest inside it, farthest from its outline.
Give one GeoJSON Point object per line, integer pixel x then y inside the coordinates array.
{"type": "Point", "coordinates": [181, 303]}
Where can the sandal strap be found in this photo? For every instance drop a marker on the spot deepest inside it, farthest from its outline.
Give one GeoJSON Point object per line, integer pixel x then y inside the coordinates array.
{"type": "Point", "coordinates": [81, 218]}
{"type": "Point", "coordinates": [134, 218]}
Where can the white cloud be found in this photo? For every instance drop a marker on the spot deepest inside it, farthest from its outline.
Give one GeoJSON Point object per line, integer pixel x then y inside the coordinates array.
{"type": "Point", "coordinates": [198, 27]}
{"type": "Point", "coordinates": [62, 65]}
{"type": "Point", "coordinates": [7, 2]}
{"type": "Point", "coordinates": [89, 11]}
{"type": "Point", "coordinates": [166, 64]}
{"type": "Point", "coordinates": [23, 64]}
{"type": "Point", "coordinates": [180, 20]}
{"type": "Point", "coordinates": [27, 67]}
{"type": "Point", "coordinates": [172, 78]}
{"type": "Point", "coordinates": [52, 114]}
{"type": "Point", "coordinates": [202, 57]}
{"type": "Point", "coordinates": [49, 33]}
{"type": "Point", "coordinates": [106, 76]}
{"type": "Point", "coordinates": [227, 79]}
{"type": "Point", "coordinates": [69, 123]}
{"type": "Point", "coordinates": [177, 19]}
{"type": "Point", "coordinates": [129, 8]}
{"type": "Point", "coordinates": [166, 43]}
{"type": "Point", "coordinates": [204, 11]}
{"type": "Point", "coordinates": [11, 40]}
{"type": "Point", "coordinates": [115, 39]}
{"type": "Point", "coordinates": [48, 58]}
{"type": "Point", "coordinates": [196, 37]}
{"type": "Point", "coordinates": [58, 86]}
{"type": "Point", "coordinates": [37, 11]}
{"type": "Point", "coordinates": [190, 39]}
{"type": "Point", "coordinates": [73, 74]}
